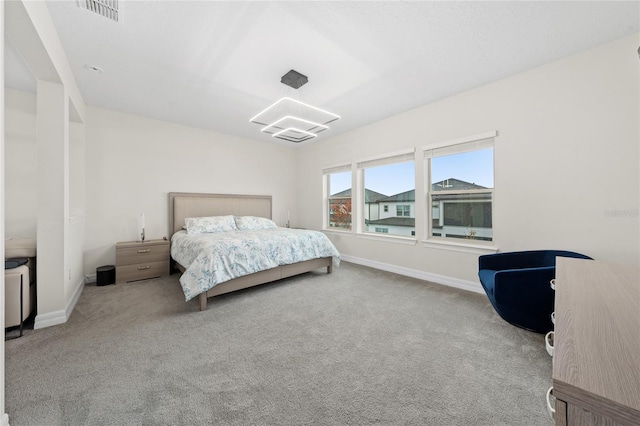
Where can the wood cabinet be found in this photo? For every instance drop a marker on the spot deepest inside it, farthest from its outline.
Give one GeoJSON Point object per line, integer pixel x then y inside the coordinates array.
{"type": "Point", "coordinates": [596, 362]}
{"type": "Point", "coordinates": [137, 260]}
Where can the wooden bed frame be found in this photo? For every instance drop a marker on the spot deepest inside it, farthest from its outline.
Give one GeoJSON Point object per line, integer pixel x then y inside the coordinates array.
{"type": "Point", "coordinates": [188, 204]}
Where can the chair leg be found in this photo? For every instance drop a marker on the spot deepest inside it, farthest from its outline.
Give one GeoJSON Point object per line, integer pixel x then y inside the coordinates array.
{"type": "Point", "coordinates": [203, 301]}
{"type": "Point", "coordinates": [21, 311]}
{"type": "Point", "coordinates": [21, 306]}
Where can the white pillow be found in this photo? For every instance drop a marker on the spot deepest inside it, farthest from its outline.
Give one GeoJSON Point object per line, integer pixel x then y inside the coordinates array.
{"type": "Point", "coordinates": [252, 223]}
{"type": "Point", "coordinates": [212, 224]}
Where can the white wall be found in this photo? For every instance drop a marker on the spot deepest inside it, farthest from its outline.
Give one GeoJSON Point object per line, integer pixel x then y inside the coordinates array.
{"type": "Point", "coordinates": [133, 163]}
{"type": "Point", "coordinates": [77, 172]}
{"type": "Point", "coordinates": [566, 156]}
{"type": "Point", "coordinates": [5, 418]}
{"type": "Point", "coordinates": [21, 165]}
{"type": "Point", "coordinates": [21, 189]}
{"type": "Point", "coordinates": [77, 206]}
{"type": "Point", "coordinates": [58, 99]}
{"type": "Point", "coordinates": [21, 168]}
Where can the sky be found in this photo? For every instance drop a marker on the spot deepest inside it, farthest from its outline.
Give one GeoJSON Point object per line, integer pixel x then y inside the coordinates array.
{"type": "Point", "coordinates": [473, 167]}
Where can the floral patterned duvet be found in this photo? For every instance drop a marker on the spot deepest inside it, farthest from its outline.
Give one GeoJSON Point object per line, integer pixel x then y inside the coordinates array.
{"type": "Point", "coordinates": [214, 258]}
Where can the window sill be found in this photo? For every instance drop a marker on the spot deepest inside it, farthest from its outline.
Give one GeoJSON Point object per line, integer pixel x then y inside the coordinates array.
{"type": "Point", "coordinates": [337, 231]}
{"type": "Point", "coordinates": [388, 238]}
{"type": "Point", "coordinates": [460, 247]}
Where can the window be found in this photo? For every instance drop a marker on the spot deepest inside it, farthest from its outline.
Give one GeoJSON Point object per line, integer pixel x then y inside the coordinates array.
{"type": "Point", "coordinates": [338, 197]}
{"type": "Point", "coordinates": [460, 190]}
{"type": "Point", "coordinates": [403, 210]}
{"type": "Point", "coordinates": [388, 186]}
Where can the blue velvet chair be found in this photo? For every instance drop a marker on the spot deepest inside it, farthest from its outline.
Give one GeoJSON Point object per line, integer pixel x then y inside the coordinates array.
{"type": "Point", "coordinates": [517, 284]}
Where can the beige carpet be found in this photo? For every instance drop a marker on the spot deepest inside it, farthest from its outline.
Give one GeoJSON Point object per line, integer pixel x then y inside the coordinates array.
{"type": "Point", "coordinates": [356, 347]}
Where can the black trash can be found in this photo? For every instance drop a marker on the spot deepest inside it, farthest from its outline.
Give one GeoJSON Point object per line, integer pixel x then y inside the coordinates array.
{"type": "Point", "coordinates": [105, 275]}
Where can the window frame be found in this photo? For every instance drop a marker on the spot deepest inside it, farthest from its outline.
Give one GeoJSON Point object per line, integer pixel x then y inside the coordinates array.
{"type": "Point", "coordinates": [457, 146]}
{"type": "Point", "coordinates": [404, 156]}
{"type": "Point", "coordinates": [326, 184]}
{"type": "Point", "coordinates": [423, 211]}
{"type": "Point", "coordinates": [404, 210]}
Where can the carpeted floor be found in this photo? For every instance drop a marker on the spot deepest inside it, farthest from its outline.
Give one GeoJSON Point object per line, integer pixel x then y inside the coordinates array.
{"type": "Point", "coordinates": [357, 347]}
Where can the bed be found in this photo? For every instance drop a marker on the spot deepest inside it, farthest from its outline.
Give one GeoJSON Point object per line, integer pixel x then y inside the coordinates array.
{"type": "Point", "coordinates": [204, 284]}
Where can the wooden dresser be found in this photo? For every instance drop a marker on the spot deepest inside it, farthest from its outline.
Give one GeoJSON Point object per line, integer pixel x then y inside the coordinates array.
{"type": "Point", "coordinates": [137, 260]}
{"type": "Point", "coordinates": [596, 362]}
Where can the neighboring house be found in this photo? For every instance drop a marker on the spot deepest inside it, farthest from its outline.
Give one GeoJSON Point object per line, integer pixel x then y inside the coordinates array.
{"type": "Point", "coordinates": [371, 205]}
{"type": "Point", "coordinates": [404, 226]}
{"type": "Point", "coordinates": [399, 205]}
{"type": "Point", "coordinates": [461, 215]}
{"type": "Point", "coordinates": [397, 215]}
{"type": "Point", "coordinates": [340, 207]}
{"type": "Point", "coordinates": [457, 215]}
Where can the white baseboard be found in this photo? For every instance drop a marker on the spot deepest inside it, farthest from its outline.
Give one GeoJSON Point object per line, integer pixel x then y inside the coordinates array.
{"type": "Point", "coordinates": [59, 317]}
{"type": "Point", "coordinates": [414, 273]}
{"type": "Point", "coordinates": [49, 319]}
{"type": "Point", "coordinates": [90, 278]}
{"type": "Point", "coordinates": [5, 420]}
{"type": "Point", "coordinates": [74, 299]}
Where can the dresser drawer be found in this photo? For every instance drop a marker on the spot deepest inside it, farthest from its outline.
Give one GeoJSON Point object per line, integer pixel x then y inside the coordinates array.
{"type": "Point", "coordinates": [142, 254]}
{"type": "Point", "coordinates": [141, 271]}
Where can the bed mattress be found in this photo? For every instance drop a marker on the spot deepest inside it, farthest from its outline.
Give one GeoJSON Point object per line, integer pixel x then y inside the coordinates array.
{"type": "Point", "coordinates": [214, 258]}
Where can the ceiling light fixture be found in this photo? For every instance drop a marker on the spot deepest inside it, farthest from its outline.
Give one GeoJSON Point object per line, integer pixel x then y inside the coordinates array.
{"type": "Point", "coordinates": [293, 130]}
{"type": "Point", "coordinates": [292, 120]}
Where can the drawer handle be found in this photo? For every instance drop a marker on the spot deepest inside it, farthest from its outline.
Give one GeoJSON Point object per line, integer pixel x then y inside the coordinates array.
{"type": "Point", "coordinates": [551, 408]}
{"type": "Point", "coordinates": [140, 268]}
{"type": "Point", "coordinates": [552, 283]}
{"type": "Point", "coordinates": [548, 340]}
{"type": "Point", "coordinates": [144, 251]}
{"type": "Point", "coordinates": [553, 317]}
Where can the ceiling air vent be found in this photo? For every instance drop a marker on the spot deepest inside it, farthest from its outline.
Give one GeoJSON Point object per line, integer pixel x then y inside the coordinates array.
{"type": "Point", "coordinates": [106, 8]}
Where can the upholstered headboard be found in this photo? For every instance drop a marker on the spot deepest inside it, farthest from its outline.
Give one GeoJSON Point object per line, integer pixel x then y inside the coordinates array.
{"type": "Point", "coordinates": [188, 204]}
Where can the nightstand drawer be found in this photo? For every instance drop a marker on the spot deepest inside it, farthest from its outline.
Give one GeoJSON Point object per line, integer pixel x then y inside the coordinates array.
{"type": "Point", "coordinates": [142, 253]}
{"type": "Point", "coordinates": [141, 271]}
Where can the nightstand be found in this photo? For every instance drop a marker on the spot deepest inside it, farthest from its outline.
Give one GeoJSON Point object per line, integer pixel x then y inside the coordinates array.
{"type": "Point", "coordinates": [139, 260]}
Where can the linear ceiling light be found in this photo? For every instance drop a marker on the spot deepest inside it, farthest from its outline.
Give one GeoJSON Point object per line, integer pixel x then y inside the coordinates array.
{"type": "Point", "coordinates": [293, 120]}
{"type": "Point", "coordinates": [293, 134]}
{"type": "Point", "coordinates": [279, 124]}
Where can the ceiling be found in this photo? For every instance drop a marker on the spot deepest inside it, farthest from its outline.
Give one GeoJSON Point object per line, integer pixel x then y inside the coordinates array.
{"type": "Point", "coordinates": [214, 65]}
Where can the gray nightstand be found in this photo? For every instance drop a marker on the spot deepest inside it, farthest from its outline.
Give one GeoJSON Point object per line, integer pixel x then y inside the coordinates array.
{"type": "Point", "coordinates": [138, 260]}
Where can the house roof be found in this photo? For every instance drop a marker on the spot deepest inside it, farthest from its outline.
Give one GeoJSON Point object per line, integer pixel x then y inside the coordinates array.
{"type": "Point", "coordinates": [369, 195]}
{"type": "Point", "coordinates": [393, 221]}
{"type": "Point", "coordinates": [453, 184]}
{"type": "Point", "coordinates": [406, 196]}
